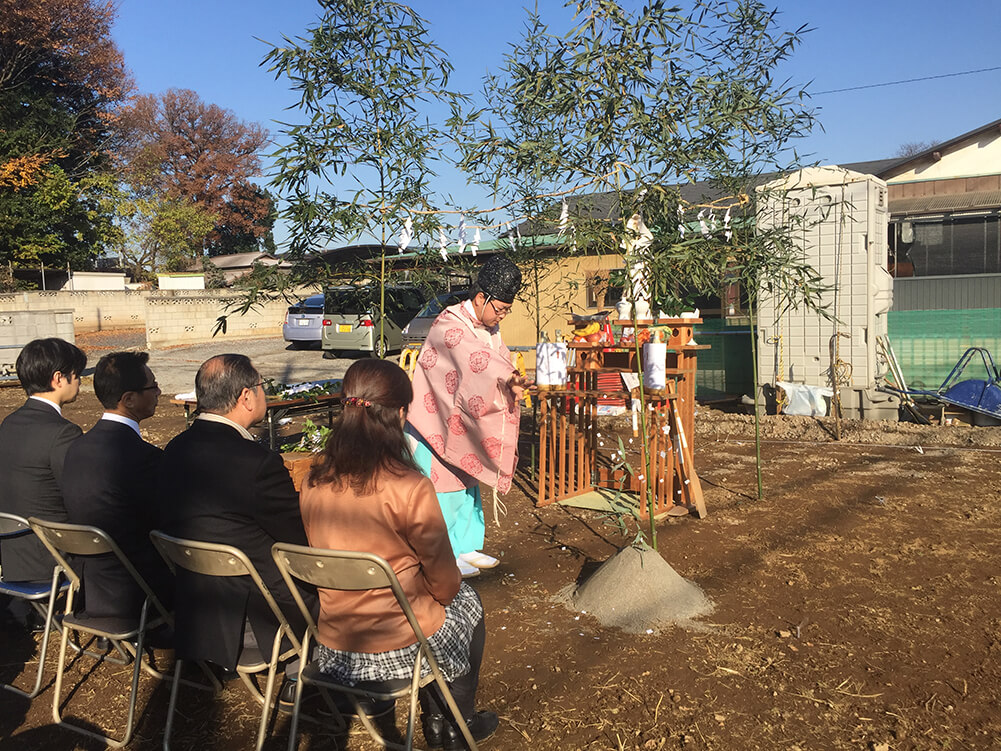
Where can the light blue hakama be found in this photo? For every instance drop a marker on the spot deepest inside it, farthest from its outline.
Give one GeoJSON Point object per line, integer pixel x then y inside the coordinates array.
{"type": "Point", "coordinates": [462, 509]}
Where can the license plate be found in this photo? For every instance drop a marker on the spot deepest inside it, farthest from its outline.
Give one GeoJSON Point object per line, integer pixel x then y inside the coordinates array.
{"type": "Point", "coordinates": [302, 322]}
{"type": "Point", "coordinates": [344, 328]}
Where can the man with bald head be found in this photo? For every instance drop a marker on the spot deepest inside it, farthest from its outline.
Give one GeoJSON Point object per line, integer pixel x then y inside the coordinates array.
{"type": "Point", "coordinates": [218, 484]}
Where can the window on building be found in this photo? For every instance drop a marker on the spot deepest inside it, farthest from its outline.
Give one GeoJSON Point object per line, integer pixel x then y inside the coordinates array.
{"type": "Point", "coordinates": [946, 245]}
{"type": "Point", "coordinates": [601, 290]}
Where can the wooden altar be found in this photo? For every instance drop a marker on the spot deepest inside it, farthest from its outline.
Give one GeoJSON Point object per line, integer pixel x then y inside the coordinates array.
{"type": "Point", "coordinates": [574, 462]}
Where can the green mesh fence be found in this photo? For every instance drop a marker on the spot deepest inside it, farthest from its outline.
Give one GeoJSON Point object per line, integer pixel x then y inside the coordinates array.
{"type": "Point", "coordinates": [929, 343]}
{"type": "Point", "coordinates": [726, 368]}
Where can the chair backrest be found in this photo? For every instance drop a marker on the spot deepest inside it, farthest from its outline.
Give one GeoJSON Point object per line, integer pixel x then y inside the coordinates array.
{"type": "Point", "coordinates": [12, 525]}
{"type": "Point", "coordinates": [216, 559]}
{"type": "Point", "coordinates": [340, 569]}
{"type": "Point", "coordinates": [210, 559]}
{"type": "Point", "coordinates": [62, 538]}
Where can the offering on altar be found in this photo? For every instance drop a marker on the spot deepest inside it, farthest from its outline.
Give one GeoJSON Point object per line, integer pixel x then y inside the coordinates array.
{"type": "Point", "coordinates": [655, 366]}
{"type": "Point", "coordinates": [550, 364]}
{"type": "Point", "coordinates": [589, 332]}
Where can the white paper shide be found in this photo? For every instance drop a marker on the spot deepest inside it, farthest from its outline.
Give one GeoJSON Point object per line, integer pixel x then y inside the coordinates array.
{"type": "Point", "coordinates": [551, 363]}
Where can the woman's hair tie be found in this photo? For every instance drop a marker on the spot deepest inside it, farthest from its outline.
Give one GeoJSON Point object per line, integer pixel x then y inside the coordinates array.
{"type": "Point", "coordinates": [356, 401]}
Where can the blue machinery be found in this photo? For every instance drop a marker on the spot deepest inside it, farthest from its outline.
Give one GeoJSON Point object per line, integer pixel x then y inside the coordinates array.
{"type": "Point", "coordinates": [977, 395]}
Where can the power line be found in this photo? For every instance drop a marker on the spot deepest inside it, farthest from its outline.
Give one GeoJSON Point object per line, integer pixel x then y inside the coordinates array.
{"type": "Point", "coordinates": [908, 80]}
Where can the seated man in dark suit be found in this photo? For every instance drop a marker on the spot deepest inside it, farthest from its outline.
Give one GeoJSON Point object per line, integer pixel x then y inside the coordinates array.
{"type": "Point", "coordinates": [112, 473]}
{"type": "Point", "coordinates": [217, 484]}
{"type": "Point", "coordinates": [33, 444]}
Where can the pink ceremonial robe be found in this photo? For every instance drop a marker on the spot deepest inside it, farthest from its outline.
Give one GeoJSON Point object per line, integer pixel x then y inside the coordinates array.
{"type": "Point", "coordinates": [462, 405]}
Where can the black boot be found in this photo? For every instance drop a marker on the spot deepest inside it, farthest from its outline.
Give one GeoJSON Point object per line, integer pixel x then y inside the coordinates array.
{"type": "Point", "coordinates": [434, 730]}
{"type": "Point", "coordinates": [481, 726]}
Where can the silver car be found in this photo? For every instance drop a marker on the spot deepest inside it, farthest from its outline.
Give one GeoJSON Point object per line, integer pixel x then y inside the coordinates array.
{"type": "Point", "coordinates": [303, 325]}
{"type": "Point", "coordinates": [351, 319]}
{"type": "Point", "coordinates": [415, 332]}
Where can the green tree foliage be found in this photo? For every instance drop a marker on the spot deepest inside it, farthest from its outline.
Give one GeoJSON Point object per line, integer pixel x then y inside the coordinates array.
{"type": "Point", "coordinates": [369, 79]}
{"type": "Point", "coordinates": [626, 102]}
{"type": "Point", "coordinates": [633, 105]}
{"type": "Point", "coordinates": [61, 78]}
{"type": "Point", "coordinates": [162, 234]}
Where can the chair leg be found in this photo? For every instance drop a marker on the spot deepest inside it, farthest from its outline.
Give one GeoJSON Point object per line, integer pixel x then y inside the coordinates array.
{"type": "Point", "coordinates": [214, 682]}
{"type": "Point", "coordinates": [452, 706]}
{"type": "Point", "coordinates": [249, 683]}
{"type": "Point", "coordinates": [293, 733]}
{"type": "Point", "coordinates": [48, 613]}
{"type": "Point", "coordinates": [60, 666]}
{"type": "Point", "coordinates": [269, 689]}
{"type": "Point", "coordinates": [127, 655]}
{"type": "Point", "coordinates": [373, 731]}
{"type": "Point", "coordinates": [172, 705]}
{"type": "Point", "coordinates": [136, 672]}
{"type": "Point", "coordinates": [412, 716]}
{"type": "Point", "coordinates": [133, 693]}
{"type": "Point", "coordinates": [42, 653]}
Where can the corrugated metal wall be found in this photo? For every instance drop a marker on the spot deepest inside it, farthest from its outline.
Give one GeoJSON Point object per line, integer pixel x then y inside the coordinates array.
{"type": "Point", "coordinates": [947, 292]}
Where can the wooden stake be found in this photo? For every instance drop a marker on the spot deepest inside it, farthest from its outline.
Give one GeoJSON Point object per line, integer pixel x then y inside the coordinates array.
{"type": "Point", "coordinates": [692, 488]}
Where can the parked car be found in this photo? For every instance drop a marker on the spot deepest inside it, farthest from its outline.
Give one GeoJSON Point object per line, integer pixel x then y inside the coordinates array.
{"type": "Point", "coordinates": [415, 332]}
{"type": "Point", "coordinates": [351, 319]}
{"type": "Point", "coordinates": [303, 325]}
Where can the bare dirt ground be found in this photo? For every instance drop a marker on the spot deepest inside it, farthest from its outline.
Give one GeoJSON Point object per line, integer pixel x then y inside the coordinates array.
{"type": "Point", "coordinates": [856, 607]}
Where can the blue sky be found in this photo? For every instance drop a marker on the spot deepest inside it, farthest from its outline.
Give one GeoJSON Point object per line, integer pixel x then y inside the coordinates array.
{"type": "Point", "coordinates": [214, 48]}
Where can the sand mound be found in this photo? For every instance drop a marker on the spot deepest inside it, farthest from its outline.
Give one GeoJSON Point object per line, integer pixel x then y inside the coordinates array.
{"type": "Point", "coordinates": [637, 590]}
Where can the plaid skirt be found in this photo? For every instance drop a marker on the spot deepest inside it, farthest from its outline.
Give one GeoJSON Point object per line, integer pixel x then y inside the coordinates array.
{"type": "Point", "coordinates": [449, 644]}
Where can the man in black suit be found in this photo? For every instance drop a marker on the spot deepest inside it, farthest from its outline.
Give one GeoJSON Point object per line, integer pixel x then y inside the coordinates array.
{"type": "Point", "coordinates": [33, 444]}
{"type": "Point", "coordinates": [219, 485]}
{"type": "Point", "coordinates": [113, 472]}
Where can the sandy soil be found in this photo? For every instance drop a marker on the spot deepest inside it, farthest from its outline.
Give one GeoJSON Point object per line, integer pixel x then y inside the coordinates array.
{"type": "Point", "coordinates": [855, 608]}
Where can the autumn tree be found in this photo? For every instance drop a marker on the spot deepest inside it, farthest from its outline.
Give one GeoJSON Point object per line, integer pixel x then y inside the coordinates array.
{"type": "Point", "coordinates": [255, 207]}
{"type": "Point", "coordinates": [187, 156]}
{"type": "Point", "coordinates": [61, 78]}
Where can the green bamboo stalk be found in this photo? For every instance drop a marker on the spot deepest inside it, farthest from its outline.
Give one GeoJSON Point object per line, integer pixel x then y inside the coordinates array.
{"type": "Point", "coordinates": [754, 376]}
{"type": "Point", "coordinates": [644, 435]}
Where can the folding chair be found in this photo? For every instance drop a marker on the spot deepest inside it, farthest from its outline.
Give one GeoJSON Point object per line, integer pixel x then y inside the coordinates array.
{"type": "Point", "coordinates": [348, 570]}
{"type": "Point", "coordinates": [212, 559]}
{"type": "Point", "coordinates": [35, 593]}
{"type": "Point", "coordinates": [80, 540]}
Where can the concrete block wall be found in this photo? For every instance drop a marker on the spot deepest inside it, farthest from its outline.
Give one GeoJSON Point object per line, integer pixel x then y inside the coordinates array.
{"type": "Point", "coordinates": [92, 310]}
{"type": "Point", "coordinates": [188, 317]}
{"type": "Point", "coordinates": [18, 327]}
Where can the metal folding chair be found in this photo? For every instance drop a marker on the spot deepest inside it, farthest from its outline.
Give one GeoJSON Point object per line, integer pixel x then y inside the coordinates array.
{"type": "Point", "coordinates": [127, 635]}
{"type": "Point", "coordinates": [212, 559]}
{"type": "Point", "coordinates": [41, 595]}
{"type": "Point", "coordinates": [349, 570]}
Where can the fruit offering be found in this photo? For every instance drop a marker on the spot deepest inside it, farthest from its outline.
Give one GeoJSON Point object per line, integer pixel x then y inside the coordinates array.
{"type": "Point", "coordinates": [589, 333]}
